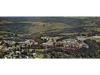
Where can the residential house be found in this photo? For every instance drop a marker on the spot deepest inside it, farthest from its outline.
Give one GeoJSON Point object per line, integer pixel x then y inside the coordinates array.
{"type": "Point", "coordinates": [81, 38]}
{"type": "Point", "coordinates": [11, 43]}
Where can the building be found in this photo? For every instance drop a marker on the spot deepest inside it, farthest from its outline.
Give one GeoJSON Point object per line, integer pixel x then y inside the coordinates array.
{"type": "Point", "coordinates": [81, 38]}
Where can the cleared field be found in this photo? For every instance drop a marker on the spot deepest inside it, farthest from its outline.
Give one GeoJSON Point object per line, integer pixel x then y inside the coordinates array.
{"type": "Point", "coordinates": [21, 35]}
{"type": "Point", "coordinates": [40, 50]}
{"type": "Point", "coordinates": [1, 36]}
{"type": "Point", "coordinates": [68, 33]}
{"type": "Point", "coordinates": [43, 27]}
{"type": "Point", "coordinates": [92, 38]}
{"type": "Point", "coordinates": [84, 33]}
{"type": "Point", "coordinates": [97, 29]}
{"type": "Point", "coordinates": [4, 32]}
{"type": "Point", "coordinates": [68, 40]}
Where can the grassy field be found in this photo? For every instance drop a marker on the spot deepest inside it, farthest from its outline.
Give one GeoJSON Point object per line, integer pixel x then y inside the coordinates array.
{"type": "Point", "coordinates": [68, 40]}
{"type": "Point", "coordinates": [97, 29]}
{"type": "Point", "coordinates": [68, 33]}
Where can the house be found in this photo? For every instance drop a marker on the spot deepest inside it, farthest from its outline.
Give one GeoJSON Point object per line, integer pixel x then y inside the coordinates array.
{"type": "Point", "coordinates": [11, 54]}
{"type": "Point", "coordinates": [96, 36]}
{"type": "Point", "coordinates": [9, 42]}
{"type": "Point", "coordinates": [71, 44]}
{"type": "Point", "coordinates": [50, 41]}
{"type": "Point", "coordinates": [34, 54]}
{"type": "Point", "coordinates": [18, 52]}
{"type": "Point", "coordinates": [0, 42]}
{"type": "Point", "coordinates": [81, 38]}
{"type": "Point", "coordinates": [27, 57]}
{"type": "Point", "coordinates": [1, 47]}
{"type": "Point", "coordinates": [12, 42]}
{"type": "Point", "coordinates": [9, 48]}
{"type": "Point", "coordinates": [29, 41]}
{"type": "Point", "coordinates": [43, 38]}
{"type": "Point", "coordinates": [60, 43]}
{"type": "Point", "coordinates": [48, 44]}
{"type": "Point", "coordinates": [22, 43]}
{"type": "Point", "coordinates": [53, 39]}
{"type": "Point", "coordinates": [85, 46]}
{"type": "Point", "coordinates": [35, 43]}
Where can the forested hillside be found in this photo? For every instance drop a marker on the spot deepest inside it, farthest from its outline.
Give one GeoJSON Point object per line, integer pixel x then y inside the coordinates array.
{"type": "Point", "coordinates": [50, 24]}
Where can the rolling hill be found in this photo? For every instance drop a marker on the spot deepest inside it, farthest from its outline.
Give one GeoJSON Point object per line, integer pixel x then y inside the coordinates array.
{"type": "Point", "coordinates": [32, 25]}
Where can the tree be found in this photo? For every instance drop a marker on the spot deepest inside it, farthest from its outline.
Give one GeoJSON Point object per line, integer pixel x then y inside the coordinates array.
{"type": "Point", "coordinates": [1, 55]}
{"type": "Point", "coordinates": [7, 45]}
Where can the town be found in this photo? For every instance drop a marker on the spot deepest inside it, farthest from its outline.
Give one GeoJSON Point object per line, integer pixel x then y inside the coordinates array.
{"type": "Point", "coordinates": [29, 48]}
{"type": "Point", "coordinates": [48, 40]}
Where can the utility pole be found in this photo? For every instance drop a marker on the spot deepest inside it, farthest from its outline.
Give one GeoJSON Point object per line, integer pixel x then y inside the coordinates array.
{"type": "Point", "coordinates": [46, 39]}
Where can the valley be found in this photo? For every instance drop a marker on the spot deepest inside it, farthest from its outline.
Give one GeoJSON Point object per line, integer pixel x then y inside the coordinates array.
{"type": "Point", "coordinates": [49, 37]}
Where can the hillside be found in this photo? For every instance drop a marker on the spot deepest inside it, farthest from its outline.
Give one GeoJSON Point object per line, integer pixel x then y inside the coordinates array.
{"type": "Point", "coordinates": [50, 37]}
{"type": "Point", "coordinates": [50, 25]}
{"type": "Point", "coordinates": [74, 21]}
